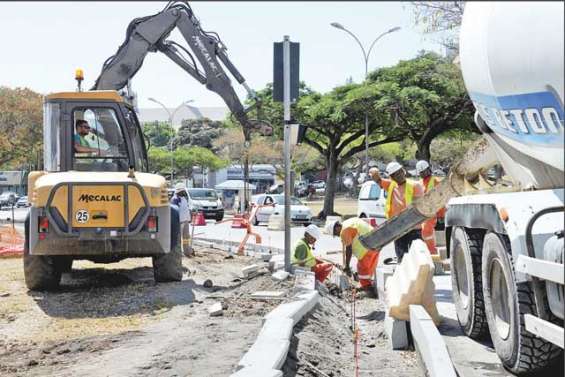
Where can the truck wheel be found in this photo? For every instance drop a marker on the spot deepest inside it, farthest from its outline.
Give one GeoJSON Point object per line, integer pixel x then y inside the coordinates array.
{"type": "Point", "coordinates": [40, 271]}
{"type": "Point", "coordinates": [466, 281]}
{"type": "Point", "coordinates": [168, 267]}
{"type": "Point", "coordinates": [506, 303]}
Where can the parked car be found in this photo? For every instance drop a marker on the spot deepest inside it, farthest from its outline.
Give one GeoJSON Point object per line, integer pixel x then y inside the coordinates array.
{"type": "Point", "coordinates": [371, 201]}
{"type": "Point", "coordinates": [7, 199]}
{"type": "Point", "coordinates": [22, 202]}
{"type": "Point", "coordinates": [319, 184]}
{"type": "Point", "coordinates": [206, 201]}
{"type": "Point", "coordinates": [299, 213]}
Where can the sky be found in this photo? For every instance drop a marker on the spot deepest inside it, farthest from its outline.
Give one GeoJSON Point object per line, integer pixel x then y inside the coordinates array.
{"type": "Point", "coordinates": [44, 42]}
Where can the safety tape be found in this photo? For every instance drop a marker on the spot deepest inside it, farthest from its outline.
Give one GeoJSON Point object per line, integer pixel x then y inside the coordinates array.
{"type": "Point", "coordinates": [428, 238]}
{"type": "Point", "coordinates": [366, 277]}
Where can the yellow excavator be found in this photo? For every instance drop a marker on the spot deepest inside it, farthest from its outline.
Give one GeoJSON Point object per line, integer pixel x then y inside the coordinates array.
{"type": "Point", "coordinates": [95, 198]}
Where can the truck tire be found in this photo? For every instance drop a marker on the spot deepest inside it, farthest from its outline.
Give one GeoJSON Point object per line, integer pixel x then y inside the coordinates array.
{"type": "Point", "coordinates": [40, 271]}
{"type": "Point", "coordinates": [506, 303]}
{"type": "Point", "coordinates": [168, 267]}
{"type": "Point", "coordinates": [64, 264]}
{"type": "Point", "coordinates": [466, 281]}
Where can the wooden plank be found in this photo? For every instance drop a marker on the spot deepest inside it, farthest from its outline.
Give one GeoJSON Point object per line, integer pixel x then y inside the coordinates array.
{"type": "Point", "coordinates": [544, 329]}
{"type": "Point", "coordinates": [540, 268]}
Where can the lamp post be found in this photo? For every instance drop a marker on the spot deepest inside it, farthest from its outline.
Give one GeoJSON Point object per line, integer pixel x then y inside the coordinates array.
{"type": "Point", "coordinates": [366, 54]}
{"type": "Point", "coordinates": [170, 121]}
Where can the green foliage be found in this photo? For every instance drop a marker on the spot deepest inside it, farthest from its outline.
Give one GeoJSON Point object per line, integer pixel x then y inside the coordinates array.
{"type": "Point", "coordinates": [425, 96]}
{"type": "Point", "coordinates": [21, 140]}
{"type": "Point", "coordinates": [159, 133]}
{"type": "Point", "coordinates": [187, 157]}
{"type": "Point", "coordinates": [159, 160]}
{"type": "Point", "coordinates": [451, 146]}
{"type": "Point", "coordinates": [198, 132]}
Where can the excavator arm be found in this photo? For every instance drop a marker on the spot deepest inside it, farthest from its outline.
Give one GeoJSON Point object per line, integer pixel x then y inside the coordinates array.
{"type": "Point", "coordinates": [148, 34]}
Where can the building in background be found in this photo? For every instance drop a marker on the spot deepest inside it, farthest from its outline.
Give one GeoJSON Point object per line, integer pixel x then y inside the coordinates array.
{"type": "Point", "coordinates": [13, 181]}
{"type": "Point", "coordinates": [185, 112]}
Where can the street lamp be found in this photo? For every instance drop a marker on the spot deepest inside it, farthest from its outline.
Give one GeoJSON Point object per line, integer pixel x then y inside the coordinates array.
{"type": "Point", "coordinates": [171, 115]}
{"type": "Point", "coordinates": [366, 55]}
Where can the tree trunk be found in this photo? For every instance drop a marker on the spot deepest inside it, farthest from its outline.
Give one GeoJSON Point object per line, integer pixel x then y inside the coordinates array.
{"type": "Point", "coordinates": [329, 195]}
{"type": "Point", "coordinates": [423, 152]}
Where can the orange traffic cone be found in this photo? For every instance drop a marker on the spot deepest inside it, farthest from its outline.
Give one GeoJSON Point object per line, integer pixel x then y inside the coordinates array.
{"type": "Point", "coordinates": [198, 219]}
{"type": "Point", "coordinates": [238, 222]}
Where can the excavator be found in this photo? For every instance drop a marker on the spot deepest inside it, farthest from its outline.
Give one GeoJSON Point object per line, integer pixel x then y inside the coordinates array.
{"type": "Point", "coordinates": [95, 198]}
{"type": "Point", "coordinates": [506, 244]}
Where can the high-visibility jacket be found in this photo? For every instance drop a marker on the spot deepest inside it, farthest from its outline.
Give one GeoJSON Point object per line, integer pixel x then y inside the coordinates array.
{"type": "Point", "coordinates": [362, 228]}
{"type": "Point", "coordinates": [309, 260]}
{"type": "Point", "coordinates": [408, 196]}
{"type": "Point", "coordinates": [432, 181]}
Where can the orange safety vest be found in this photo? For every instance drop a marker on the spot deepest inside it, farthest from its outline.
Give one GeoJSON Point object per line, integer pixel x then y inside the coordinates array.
{"type": "Point", "coordinates": [408, 196]}
{"type": "Point", "coordinates": [362, 228]}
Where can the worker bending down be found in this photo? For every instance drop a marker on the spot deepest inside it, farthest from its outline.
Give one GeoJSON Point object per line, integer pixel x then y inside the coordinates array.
{"type": "Point", "coordinates": [349, 232]}
{"type": "Point", "coordinates": [400, 193]}
{"type": "Point", "coordinates": [428, 227]}
{"type": "Point", "coordinates": [302, 254]}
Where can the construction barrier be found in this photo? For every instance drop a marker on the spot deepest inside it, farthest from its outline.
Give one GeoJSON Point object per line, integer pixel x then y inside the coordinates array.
{"type": "Point", "coordinates": [412, 284]}
{"type": "Point", "coordinates": [239, 222]}
{"type": "Point", "coordinates": [11, 242]}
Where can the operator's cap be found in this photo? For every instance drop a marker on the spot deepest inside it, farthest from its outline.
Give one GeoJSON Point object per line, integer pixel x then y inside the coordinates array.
{"type": "Point", "coordinates": [421, 166]}
{"type": "Point", "coordinates": [393, 167]}
{"type": "Point", "coordinates": [313, 231]}
{"type": "Point", "coordinates": [179, 187]}
{"type": "Point", "coordinates": [329, 228]}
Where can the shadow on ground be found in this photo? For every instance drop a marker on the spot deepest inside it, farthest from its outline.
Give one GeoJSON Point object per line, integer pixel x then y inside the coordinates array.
{"type": "Point", "coordinates": [101, 293]}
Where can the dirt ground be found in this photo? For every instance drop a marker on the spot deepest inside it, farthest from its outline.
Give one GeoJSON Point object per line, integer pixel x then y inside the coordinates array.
{"type": "Point", "coordinates": [113, 320]}
{"type": "Point", "coordinates": [323, 346]}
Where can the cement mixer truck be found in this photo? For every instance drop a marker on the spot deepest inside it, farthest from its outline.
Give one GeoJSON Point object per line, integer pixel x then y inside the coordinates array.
{"type": "Point", "coordinates": [506, 249]}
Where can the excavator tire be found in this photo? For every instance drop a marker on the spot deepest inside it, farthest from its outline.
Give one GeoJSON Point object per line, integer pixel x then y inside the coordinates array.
{"type": "Point", "coordinates": [168, 267]}
{"type": "Point", "coordinates": [466, 281]}
{"type": "Point", "coordinates": [506, 303]}
{"type": "Point", "coordinates": [40, 271]}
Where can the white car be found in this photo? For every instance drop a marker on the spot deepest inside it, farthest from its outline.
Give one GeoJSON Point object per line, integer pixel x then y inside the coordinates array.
{"type": "Point", "coordinates": [371, 201]}
{"type": "Point", "coordinates": [299, 213]}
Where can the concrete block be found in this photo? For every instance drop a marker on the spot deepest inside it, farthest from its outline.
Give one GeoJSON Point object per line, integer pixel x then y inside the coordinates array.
{"type": "Point", "coordinates": [280, 275]}
{"type": "Point", "coordinates": [305, 280]}
{"type": "Point", "coordinates": [383, 273]}
{"type": "Point", "coordinates": [293, 310]}
{"type": "Point", "coordinates": [216, 309]}
{"type": "Point", "coordinates": [412, 283]}
{"type": "Point", "coordinates": [257, 372]}
{"type": "Point", "coordinates": [311, 299]}
{"type": "Point", "coordinates": [249, 270]}
{"type": "Point", "coordinates": [266, 354]}
{"type": "Point", "coordinates": [277, 328]}
{"type": "Point", "coordinates": [268, 294]}
{"type": "Point", "coordinates": [429, 344]}
{"type": "Point", "coordinates": [397, 332]}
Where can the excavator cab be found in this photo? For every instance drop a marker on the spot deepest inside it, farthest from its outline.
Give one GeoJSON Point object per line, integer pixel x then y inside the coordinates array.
{"type": "Point", "coordinates": [102, 123]}
{"type": "Point", "coordinates": [95, 199]}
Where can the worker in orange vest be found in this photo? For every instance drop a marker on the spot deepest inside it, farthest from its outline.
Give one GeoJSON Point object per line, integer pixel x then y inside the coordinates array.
{"type": "Point", "coordinates": [349, 232]}
{"type": "Point", "coordinates": [400, 193]}
{"type": "Point", "coordinates": [302, 254]}
{"type": "Point", "coordinates": [428, 227]}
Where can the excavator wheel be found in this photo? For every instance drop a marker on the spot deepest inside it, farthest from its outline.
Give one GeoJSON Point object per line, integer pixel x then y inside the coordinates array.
{"type": "Point", "coordinates": [506, 303]}
{"type": "Point", "coordinates": [40, 272]}
{"type": "Point", "coordinates": [466, 280]}
{"type": "Point", "coordinates": [168, 267]}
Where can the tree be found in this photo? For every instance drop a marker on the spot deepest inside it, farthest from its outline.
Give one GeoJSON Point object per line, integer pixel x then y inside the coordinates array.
{"type": "Point", "coordinates": [335, 128]}
{"type": "Point", "coordinates": [198, 132]}
{"type": "Point", "coordinates": [440, 17]}
{"type": "Point", "coordinates": [159, 133]}
{"type": "Point", "coordinates": [21, 128]}
{"type": "Point", "coordinates": [426, 96]}
{"type": "Point", "coordinates": [159, 160]}
{"type": "Point", "coordinates": [451, 146]}
{"type": "Point", "coordinates": [186, 158]}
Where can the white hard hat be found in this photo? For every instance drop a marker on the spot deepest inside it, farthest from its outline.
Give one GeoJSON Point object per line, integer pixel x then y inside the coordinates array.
{"type": "Point", "coordinates": [329, 228]}
{"type": "Point", "coordinates": [180, 187]}
{"type": "Point", "coordinates": [393, 167]}
{"type": "Point", "coordinates": [314, 231]}
{"type": "Point", "coordinates": [421, 166]}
